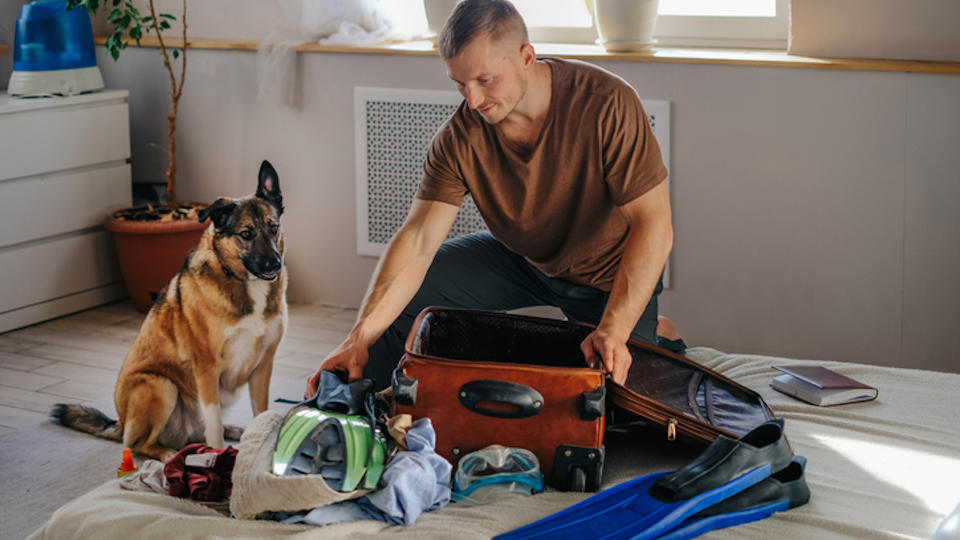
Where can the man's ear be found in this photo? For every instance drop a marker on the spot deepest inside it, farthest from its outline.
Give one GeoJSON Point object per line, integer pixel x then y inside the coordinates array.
{"type": "Point", "coordinates": [527, 54]}
{"type": "Point", "coordinates": [268, 186]}
{"type": "Point", "coordinates": [218, 212]}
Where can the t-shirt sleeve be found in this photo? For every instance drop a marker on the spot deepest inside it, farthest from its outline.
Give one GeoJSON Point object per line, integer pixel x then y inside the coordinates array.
{"type": "Point", "coordinates": [632, 161]}
{"type": "Point", "coordinates": [442, 180]}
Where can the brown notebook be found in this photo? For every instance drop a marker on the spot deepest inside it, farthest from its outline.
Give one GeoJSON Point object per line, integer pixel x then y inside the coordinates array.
{"type": "Point", "coordinates": [821, 386]}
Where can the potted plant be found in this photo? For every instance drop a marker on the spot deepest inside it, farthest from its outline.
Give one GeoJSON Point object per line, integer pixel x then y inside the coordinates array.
{"type": "Point", "coordinates": [151, 240]}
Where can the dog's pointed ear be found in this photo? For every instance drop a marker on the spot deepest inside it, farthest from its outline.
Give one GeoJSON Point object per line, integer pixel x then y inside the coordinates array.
{"type": "Point", "coordinates": [268, 186]}
{"type": "Point", "coordinates": [218, 212]}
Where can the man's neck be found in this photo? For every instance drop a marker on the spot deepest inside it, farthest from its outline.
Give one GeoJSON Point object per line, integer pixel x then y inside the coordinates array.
{"type": "Point", "coordinates": [524, 122]}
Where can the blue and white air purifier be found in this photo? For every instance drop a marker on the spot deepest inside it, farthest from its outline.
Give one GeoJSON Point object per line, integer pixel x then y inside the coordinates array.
{"type": "Point", "coordinates": [53, 51]}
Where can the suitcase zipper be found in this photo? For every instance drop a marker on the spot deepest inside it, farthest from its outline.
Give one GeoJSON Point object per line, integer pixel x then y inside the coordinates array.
{"type": "Point", "coordinates": [655, 411]}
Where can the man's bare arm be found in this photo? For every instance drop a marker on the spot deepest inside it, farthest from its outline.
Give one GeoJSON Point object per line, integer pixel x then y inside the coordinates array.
{"type": "Point", "coordinates": [395, 281]}
{"type": "Point", "coordinates": [648, 244]}
{"type": "Point", "coordinates": [403, 266]}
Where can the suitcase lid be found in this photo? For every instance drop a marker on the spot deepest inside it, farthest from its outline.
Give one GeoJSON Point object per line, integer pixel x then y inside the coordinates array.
{"type": "Point", "coordinates": [690, 401]}
{"type": "Point", "coordinates": [686, 398]}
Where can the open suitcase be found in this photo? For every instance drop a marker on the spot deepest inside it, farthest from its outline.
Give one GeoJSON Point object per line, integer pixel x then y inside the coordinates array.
{"type": "Point", "coordinates": [494, 378]}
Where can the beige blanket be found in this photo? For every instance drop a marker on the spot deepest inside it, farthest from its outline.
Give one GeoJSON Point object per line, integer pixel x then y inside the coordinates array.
{"type": "Point", "coordinates": [889, 468]}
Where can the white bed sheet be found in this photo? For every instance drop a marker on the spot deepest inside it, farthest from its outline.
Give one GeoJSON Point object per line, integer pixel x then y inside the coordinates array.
{"type": "Point", "coordinates": [888, 468]}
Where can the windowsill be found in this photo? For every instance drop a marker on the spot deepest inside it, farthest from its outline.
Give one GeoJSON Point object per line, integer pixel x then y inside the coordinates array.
{"type": "Point", "coordinates": [691, 55]}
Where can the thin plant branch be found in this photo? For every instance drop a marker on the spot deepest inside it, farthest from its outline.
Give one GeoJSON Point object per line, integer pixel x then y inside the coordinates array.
{"type": "Point", "coordinates": [175, 92]}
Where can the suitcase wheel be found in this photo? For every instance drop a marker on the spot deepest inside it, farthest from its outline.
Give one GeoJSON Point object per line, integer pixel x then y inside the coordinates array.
{"type": "Point", "coordinates": [578, 468]}
{"type": "Point", "coordinates": [578, 479]}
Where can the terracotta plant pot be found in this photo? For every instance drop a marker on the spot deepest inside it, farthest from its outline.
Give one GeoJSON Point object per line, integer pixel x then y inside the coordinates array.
{"type": "Point", "coordinates": [151, 253]}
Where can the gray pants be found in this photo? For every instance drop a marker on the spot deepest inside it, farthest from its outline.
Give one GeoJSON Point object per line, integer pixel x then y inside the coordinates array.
{"type": "Point", "coordinates": [476, 271]}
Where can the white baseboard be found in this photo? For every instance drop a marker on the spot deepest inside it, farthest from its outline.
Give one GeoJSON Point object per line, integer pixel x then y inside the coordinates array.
{"type": "Point", "coordinates": [27, 315]}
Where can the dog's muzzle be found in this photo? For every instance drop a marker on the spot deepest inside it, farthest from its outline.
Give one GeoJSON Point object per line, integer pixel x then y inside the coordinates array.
{"type": "Point", "coordinates": [265, 268]}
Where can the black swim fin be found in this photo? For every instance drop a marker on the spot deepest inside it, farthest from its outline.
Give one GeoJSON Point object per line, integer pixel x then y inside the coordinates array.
{"type": "Point", "coordinates": [652, 505]}
{"type": "Point", "coordinates": [781, 491]}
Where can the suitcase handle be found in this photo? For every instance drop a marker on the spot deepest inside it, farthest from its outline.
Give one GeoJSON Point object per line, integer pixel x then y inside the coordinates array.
{"type": "Point", "coordinates": [524, 401]}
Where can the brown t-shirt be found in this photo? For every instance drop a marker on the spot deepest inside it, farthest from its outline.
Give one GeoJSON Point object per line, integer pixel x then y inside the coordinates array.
{"type": "Point", "coordinates": [555, 203]}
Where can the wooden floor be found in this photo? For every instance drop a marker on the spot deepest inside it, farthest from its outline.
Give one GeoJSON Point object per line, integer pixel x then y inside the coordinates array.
{"type": "Point", "coordinates": [76, 358]}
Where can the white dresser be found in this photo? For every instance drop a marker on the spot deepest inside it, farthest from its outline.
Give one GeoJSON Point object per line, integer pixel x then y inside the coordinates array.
{"type": "Point", "coordinates": [64, 165]}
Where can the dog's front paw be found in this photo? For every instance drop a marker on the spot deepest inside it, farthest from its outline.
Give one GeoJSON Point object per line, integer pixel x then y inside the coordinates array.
{"type": "Point", "coordinates": [232, 433]}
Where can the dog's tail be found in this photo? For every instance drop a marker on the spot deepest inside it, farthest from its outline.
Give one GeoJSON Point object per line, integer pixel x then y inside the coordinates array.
{"type": "Point", "coordinates": [88, 420]}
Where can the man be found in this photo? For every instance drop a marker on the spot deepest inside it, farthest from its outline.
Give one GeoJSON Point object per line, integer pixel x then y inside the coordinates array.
{"type": "Point", "coordinates": [563, 167]}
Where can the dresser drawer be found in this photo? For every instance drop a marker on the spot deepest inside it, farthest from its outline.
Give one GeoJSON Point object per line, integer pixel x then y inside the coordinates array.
{"type": "Point", "coordinates": [63, 135]}
{"type": "Point", "coordinates": [51, 204]}
{"type": "Point", "coordinates": [48, 269]}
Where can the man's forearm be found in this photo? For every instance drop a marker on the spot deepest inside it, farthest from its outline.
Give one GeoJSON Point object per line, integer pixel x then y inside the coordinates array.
{"type": "Point", "coordinates": [647, 247]}
{"type": "Point", "coordinates": [395, 281]}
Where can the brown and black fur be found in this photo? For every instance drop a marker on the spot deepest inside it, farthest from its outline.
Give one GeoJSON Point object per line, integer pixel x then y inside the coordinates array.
{"type": "Point", "coordinates": [215, 327]}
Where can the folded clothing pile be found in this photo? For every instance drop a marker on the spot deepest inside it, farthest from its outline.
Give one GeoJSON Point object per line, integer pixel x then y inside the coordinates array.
{"type": "Point", "coordinates": [415, 480]}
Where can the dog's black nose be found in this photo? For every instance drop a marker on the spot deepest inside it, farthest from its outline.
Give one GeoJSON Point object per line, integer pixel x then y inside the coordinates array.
{"type": "Point", "coordinates": [272, 265]}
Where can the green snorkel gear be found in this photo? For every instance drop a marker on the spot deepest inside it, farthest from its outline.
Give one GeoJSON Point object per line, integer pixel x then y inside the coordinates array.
{"type": "Point", "coordinates": [325, 435]}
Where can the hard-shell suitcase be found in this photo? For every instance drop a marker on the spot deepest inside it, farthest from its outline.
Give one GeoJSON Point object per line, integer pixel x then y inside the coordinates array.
{"type": "Point", "coordinates": [494, 378]}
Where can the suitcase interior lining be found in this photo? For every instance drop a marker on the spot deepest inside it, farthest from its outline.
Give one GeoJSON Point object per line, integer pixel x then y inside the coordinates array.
{"type": "Point", "coordinates": [479, 337]}
{"type": "Point", "coordinates": [694, 393]}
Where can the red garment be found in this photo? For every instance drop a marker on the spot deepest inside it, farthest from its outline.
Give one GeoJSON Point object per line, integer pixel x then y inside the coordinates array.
{"type": "Point", "coordinates": [201, 483]}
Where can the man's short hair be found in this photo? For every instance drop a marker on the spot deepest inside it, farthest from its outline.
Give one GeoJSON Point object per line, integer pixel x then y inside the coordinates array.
{"type": "Point", "coordinates": [475, 17]}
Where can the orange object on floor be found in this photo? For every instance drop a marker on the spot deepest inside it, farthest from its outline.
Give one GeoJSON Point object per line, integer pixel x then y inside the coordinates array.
{"type": "Point", "coordinates": [126, 464]}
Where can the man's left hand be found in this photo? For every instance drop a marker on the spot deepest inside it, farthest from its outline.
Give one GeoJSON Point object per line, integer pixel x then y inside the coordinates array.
{"type": "Point", "coordinates": [613, 352]}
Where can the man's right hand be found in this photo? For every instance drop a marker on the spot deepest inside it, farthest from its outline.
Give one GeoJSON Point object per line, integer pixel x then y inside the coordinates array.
{"type": "Point", "coordinates": [348, 357]}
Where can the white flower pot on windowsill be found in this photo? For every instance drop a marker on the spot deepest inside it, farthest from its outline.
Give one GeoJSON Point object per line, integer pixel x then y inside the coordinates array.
{"type": "Point", "coordinates": [437, 12]}
{"type": "Point", "coordinates": [626, 25]}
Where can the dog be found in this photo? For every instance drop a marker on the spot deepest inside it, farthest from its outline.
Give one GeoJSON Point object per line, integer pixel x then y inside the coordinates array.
{"type": "Point", "coordinates": [214, 328]}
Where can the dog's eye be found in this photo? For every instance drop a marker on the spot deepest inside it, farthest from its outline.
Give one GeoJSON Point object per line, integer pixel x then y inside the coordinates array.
{"type": "Point", "coordinates": [246, 234]}
{"type": "Point", "coordinates": [274, 228]}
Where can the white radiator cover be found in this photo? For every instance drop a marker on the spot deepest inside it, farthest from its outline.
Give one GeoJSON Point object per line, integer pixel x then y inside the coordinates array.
{"type": "Point", "coordinates": [394, 127]}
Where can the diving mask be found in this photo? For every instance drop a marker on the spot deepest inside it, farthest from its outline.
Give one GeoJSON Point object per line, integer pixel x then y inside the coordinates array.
{"type": "Point", "coordinates": [515, 469]}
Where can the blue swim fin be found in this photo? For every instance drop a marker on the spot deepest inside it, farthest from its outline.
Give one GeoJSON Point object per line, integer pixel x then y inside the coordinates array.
{"type": "Point", "coordinates": [652, 505]}
{"type": "Point", "coordinates": [783, 490]}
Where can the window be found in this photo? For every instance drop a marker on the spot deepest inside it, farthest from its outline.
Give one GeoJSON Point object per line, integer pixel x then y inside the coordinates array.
{"type": "Point", "coordinates": [558, 21]}
{"type": "Point", "coordinates": [732, 23]}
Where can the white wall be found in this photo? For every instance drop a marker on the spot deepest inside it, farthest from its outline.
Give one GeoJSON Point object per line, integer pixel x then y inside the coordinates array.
{"type": "Point", "coordinates": [817, 212]}
{"type": "Point", "coordinates": [915, 30]}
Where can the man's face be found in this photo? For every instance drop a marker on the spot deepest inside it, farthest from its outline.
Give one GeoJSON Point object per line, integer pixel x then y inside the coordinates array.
{"type": "Point", "coordinates": [490, 75]}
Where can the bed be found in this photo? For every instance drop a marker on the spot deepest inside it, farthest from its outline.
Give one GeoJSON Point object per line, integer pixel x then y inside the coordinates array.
{"type": "Point", "coordinates": [888, 468]}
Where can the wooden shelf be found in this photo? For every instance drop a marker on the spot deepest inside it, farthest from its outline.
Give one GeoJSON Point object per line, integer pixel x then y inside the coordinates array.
{"type": "Point", "coordinates": [739, 57]}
